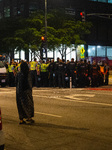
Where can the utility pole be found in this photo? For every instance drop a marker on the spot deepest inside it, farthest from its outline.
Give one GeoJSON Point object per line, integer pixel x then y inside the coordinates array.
{"type": "Point", "coordinates": [46, 28]}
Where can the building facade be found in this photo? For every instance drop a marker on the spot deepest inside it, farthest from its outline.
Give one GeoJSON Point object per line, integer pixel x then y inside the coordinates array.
{"type": "Point", "coordinates": [99, 12]}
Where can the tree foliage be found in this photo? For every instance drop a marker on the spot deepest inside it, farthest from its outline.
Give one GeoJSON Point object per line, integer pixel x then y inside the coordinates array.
{"type": "Point", "coordinates": [25, 34]}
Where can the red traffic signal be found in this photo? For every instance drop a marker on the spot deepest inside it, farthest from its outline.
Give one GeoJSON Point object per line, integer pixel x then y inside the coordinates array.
{"type": "Point", "coordinates": [82, 14]}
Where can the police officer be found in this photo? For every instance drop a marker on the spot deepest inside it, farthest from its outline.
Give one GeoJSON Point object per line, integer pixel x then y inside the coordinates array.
{"type": "Point", "coordinates": [56, 72]}
{"type": "Point", "coordinates": [101, 74]}
{"type": "Point", "coordinates": [47, 72]}
{"type": "Point", "coordinates": [72, 69]}
{"type": "Point", "coordinates": [33, 70]}
{"type": "Point", "coordinates": [38, 74]}
{"type": "Point", "coordinates": [43, 73]}
{"type": "Point", "coordinates": [95, 75]}
{"type": "Point", "coordinates": [89, 66]}
{"type": "Point", "coordinates": [11, 75]}
{"type": "Point", "coordinates": [82, 73]}
{"type": "Point", "coordinates": [106, 72]}
{"type": "Point", "coordinates": [61, 73]}
{"type": "Point", "coordinates": [51, 73]}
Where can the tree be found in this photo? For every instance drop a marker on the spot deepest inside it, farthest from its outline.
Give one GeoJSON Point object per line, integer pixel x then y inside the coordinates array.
{"type": "Point", "coordinates": [62, 31]}
{"type": "Point", "coordinates": [69, 32]}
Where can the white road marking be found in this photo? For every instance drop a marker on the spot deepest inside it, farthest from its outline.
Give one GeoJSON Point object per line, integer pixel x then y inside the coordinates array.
{"type": "Point", "coordinates": [94, 103]}
{"type": "Point", "coordinates": [85, 95]}
{"type": "Point", "coordinates": [76, 96]}
{"type": "Point", "coordinates": [71, 98]}
{"type": "Point", "coordinates": [75, 99]}
{"type": "Point", "coordinates": [48, 114]}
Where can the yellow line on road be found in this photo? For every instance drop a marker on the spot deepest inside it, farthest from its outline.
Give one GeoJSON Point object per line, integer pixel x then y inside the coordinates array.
{"type": "Point", "coordinates": [48, 114]}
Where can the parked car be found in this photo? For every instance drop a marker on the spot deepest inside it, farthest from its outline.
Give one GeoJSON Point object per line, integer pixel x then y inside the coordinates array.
{"type": "Point", "coordinates": [2, 139]}
{"type": "Point", "coordinates": [3, 74]}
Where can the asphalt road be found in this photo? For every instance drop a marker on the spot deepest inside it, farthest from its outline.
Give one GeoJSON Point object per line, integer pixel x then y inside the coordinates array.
{"type": "Point", "coordinates": [65, 119]}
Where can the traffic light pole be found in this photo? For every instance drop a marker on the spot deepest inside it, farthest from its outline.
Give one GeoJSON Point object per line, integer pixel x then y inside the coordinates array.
{"type": "Point", "coordinates": [46, 27]}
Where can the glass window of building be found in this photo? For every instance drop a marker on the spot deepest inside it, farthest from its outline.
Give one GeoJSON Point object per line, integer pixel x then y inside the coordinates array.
{"type": "Point", "coordinates": [104, 1]}
{"type": "Point", "coordinates": [101, 51]}
{"type": "Point", "coordinates": [20, 9]}
{"type": "Point", "coordinates": [109, 1]}
{"type": "Point", "coordinates": [7, 11]}
{"type": "Point", "coordinates": [15, 11]}
{"type": "Point", "coordinates": [93, 0]}
{"type": "Point", "coordinates": [91, 51]}
{"type": "Point", "coordinates": [109, 52]}
{"type": "Point", "coordinates": [0, 15]}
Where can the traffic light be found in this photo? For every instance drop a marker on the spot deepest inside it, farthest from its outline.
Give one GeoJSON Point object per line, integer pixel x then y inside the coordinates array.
{"type": "Point", "coordinates": [43, 47]}
{"type": "Point", "coordinates": [82, 14]}
{"type": "Point", "coordinates": [43, 38]}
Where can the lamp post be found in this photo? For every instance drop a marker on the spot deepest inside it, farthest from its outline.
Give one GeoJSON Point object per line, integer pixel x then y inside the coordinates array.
{"type": "Point", "coordinates": [46, 27]}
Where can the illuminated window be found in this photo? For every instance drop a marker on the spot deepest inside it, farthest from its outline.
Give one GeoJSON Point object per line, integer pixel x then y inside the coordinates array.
{"type": "Point", "coordinates": [103, 1]}
{"type": "Point", "coordinates": [6, 12]}
{"type": "Point", "coordinates": [15, 11]}
{"type": "Point", "coordinates": [109, 1]}
{"type": "Point", "coordinates": [91, 51]}
{"type": "Point", "coordinates": [101, 51]}
{"type": "Point", "coordinates": [109, 52]}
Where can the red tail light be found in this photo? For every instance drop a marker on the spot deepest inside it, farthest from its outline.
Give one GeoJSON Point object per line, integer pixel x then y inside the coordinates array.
{"type": "Point", "coordinates": [0, 121]}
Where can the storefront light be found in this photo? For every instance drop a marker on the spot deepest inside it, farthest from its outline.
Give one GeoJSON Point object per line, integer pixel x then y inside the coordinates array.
{"type": "Point", "coordinates": [89, 50]}
{"type": "Point", "coordinates": [98, 46]}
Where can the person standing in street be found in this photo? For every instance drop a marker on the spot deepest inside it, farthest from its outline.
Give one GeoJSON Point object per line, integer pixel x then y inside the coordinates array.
{"type": "Point", "coordinates": [24, 97]}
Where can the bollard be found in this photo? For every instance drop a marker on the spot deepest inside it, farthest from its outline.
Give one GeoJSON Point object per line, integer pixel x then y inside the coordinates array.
{"type": "Point", "coordinates": [70, 82]}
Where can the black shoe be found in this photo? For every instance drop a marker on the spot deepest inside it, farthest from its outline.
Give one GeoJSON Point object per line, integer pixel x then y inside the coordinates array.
{"type": "Point", "coordinates": [23, 122]}
{"type": "Point", "coordinates": [30, 121]}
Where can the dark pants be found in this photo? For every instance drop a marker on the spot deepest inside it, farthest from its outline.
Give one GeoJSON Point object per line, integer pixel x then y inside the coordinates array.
{"type": "Point", "coordinates": [61, 79]}
{"type": "Point", "coordinates": [73, 75]}
{"type": "Point", "coordinates": [34, 77]}
{"type": "Point", "coordinates": [11, 79]}
{"type": "Point", "coordinates": [51, 80]}
{"type": "Point", "coordinates": [106, 79]}
{"type": "Point", "coordinates": [38, 80]}
{"type": "Point", "coordinates": [94, 81]}
{"type": "Point", "coordinates": [56, 79]}
{"type": "Point", "coordinates": [82, 80]}
{"type": "Point", "coordinates": [101, 79]}
{"type": "Point", "coordinates": [44, 79]}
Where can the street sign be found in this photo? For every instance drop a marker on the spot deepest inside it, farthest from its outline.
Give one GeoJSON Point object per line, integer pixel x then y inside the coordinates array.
{"type": "Point", "coordinates": [69, 11]}
{"type": "Point", "coordinates": [82, 53]}
{"type": "Point", "coordinates": [82, 50]}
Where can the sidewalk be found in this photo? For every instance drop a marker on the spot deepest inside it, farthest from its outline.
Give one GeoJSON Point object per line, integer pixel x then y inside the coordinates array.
{"type": "Point", "coordinates": [110, 77]}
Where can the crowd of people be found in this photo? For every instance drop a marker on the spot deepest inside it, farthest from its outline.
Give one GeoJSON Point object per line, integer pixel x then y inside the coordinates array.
{"type": "Point", "coordinates": [58, 74]}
